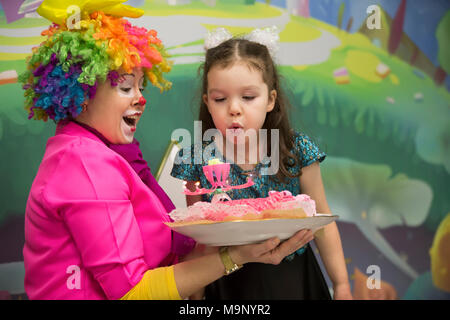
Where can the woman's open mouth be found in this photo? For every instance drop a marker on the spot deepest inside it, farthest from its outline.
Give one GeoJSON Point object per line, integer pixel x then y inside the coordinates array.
{"type": "Point", "coordinates": [132, 119]}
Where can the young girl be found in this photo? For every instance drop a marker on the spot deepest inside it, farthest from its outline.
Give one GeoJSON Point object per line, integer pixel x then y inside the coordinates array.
{"type": "Point", "coordinates": [240, 92]}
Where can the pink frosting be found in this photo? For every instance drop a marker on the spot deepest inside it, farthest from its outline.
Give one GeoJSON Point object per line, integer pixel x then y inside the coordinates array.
{"type": "Point", "coordinates": [218, 211]}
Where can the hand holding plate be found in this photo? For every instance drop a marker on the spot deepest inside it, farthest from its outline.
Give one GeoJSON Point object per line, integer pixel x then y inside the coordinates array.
{"type": "Point", "coordinates": [271, 251]}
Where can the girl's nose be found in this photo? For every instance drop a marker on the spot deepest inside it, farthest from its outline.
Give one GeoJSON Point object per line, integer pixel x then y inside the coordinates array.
{"type": "Point", "coordinates": [235, 108]}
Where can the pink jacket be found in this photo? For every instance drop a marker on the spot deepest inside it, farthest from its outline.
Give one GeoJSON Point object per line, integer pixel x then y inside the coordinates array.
{"type": "Point", "coordinates": [92, 227]}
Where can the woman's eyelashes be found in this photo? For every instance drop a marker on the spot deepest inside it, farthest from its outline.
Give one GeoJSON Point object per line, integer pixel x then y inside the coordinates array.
{"type": "Point", "coordinates": [128, 90]}
{"type": "Point", "coordinates": [128, 84]}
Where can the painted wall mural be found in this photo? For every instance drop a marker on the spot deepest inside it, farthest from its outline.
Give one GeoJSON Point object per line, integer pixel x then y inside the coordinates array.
{"type": "Point", "coordinates": [368, 80]}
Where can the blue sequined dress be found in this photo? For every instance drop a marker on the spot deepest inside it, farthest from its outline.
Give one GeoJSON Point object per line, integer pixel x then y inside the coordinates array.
{"type": "Point", "coordinates": [296, 277]}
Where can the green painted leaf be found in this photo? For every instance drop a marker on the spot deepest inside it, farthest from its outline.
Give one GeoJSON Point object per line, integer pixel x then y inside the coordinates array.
{"type": "Point", "coordinates": [307, 96]}
{"type": "Point", "coordinates": [347, 114]}
{"type": "Point", "coordinates": [395, 131]}
{"type": "Point", "coordinates": [370, 125]}
{"type": "Point", "coordinates": [333, 115]}
{"type": "Point", "coordinates": [432, 143]}
{"type": "Point", "coordinates": [388, 200]}
{"type": "Point", "coordinates": [383, 128]}
{"type": "Point", "coordinates": [321, 114]}
{"type": "Point", "coordinates": [402, 133]}
{"type": "Point", "coordinates": [330, 96]}
{"type": "Point", "coordinates": [320, 96]}
{"type": "Point", "coordinates": [359, 121]}
{"type": "Point", "coordinates": [299, 87]}
{"type": "Point", "coordinates": [370, 197]}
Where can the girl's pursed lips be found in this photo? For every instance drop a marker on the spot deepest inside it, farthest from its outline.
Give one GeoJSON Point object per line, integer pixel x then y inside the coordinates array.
{"type": "Point", "coordinates": [235, 125]}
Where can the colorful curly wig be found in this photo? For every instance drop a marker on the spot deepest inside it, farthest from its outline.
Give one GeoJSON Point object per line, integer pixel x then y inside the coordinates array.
{"type": "Point", "coordinates": [66, 68]}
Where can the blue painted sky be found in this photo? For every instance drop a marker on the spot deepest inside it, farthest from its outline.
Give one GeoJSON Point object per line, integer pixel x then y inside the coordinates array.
{"type": "Point", "coordinates": [421, 19]}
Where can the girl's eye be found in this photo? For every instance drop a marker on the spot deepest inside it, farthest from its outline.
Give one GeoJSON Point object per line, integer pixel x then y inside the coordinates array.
{"type": "Point", "coordinates": [125, 89]}
{"type": "Point", "coordinates": [248, 97]}
{"type": "Point", "coordinates": [219, 99]}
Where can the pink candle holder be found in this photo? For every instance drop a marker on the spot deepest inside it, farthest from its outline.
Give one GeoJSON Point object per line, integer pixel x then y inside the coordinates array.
{"type": "Point", "coordinates": [217, 175]}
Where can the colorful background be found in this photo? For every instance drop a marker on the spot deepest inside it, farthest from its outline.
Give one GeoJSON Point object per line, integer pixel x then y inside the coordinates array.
{"type": "Point", "coordinates": [376, 100]}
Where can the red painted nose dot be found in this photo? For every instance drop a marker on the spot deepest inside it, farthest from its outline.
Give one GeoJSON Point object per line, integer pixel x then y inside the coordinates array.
{"type": "Point", "coordinates": [142, 101]}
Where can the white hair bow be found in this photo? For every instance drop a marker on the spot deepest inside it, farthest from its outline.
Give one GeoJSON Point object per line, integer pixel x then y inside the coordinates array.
{"type": "Point", "coordinates": [267, 37]}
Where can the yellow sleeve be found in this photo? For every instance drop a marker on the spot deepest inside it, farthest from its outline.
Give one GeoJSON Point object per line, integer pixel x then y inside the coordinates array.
{"type": "Point", "coordinates": [156, 284]}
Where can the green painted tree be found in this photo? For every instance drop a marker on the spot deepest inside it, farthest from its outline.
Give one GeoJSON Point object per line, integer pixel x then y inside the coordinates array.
{"type": "Point", "coordinates": [443, 38]}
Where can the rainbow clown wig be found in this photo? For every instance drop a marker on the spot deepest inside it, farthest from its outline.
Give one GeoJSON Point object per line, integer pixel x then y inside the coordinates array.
{"type": "Point", "coordinates": [64, 70]}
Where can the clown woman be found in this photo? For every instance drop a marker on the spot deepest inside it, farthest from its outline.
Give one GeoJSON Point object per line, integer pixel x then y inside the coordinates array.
{"type": "Point", "coordinates": [94, 220]}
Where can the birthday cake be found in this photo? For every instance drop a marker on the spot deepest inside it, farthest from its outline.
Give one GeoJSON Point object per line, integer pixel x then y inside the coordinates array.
{"type": "Point", "coordinates": [277, 205]}
{"type": "Point", "coordinates": [225, 222]}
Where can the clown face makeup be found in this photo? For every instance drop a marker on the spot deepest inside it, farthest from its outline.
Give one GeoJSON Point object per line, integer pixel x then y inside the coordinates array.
{"type": "Point", "coordinates": [115, 110]}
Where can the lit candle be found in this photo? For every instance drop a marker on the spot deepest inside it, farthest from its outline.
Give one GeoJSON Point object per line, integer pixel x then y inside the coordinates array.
{"type": "Point", "coordinates": [214, 161]}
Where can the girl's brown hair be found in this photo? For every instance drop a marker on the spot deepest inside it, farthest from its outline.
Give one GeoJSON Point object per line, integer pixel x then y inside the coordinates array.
{"type": "Point", "coordinates": [257, 56]}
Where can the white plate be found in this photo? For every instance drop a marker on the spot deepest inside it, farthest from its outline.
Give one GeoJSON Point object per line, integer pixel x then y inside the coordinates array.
{"type": "Point", "coordinates": [229, 233]}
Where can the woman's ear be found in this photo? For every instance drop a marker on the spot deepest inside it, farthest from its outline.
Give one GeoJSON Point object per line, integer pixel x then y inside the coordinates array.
{"type": "Point", "coordinates": [84, 106]}
{"type": "Point", "coordinates": [272, 99]}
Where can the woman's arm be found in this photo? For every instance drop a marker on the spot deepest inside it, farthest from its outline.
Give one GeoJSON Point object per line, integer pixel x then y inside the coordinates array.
{"type": "Point", "coordinates": [186, 278]}
{"type": "Point", "coordinates": [199, 249]}
{"type": "Point", "coordinates": [327, 239]}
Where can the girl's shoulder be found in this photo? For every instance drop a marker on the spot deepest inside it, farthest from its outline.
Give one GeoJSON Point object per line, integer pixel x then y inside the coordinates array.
{"type": "Point", "coordinates": [306, 148]}
{"type": "Point", "coordinates": [301, 139]}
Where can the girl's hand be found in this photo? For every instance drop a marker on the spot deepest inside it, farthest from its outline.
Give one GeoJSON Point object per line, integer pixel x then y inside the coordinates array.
{"type": "Point", "coordinates": [270, 251]}
{"type": "Point", "coordinates": [342, 292]}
